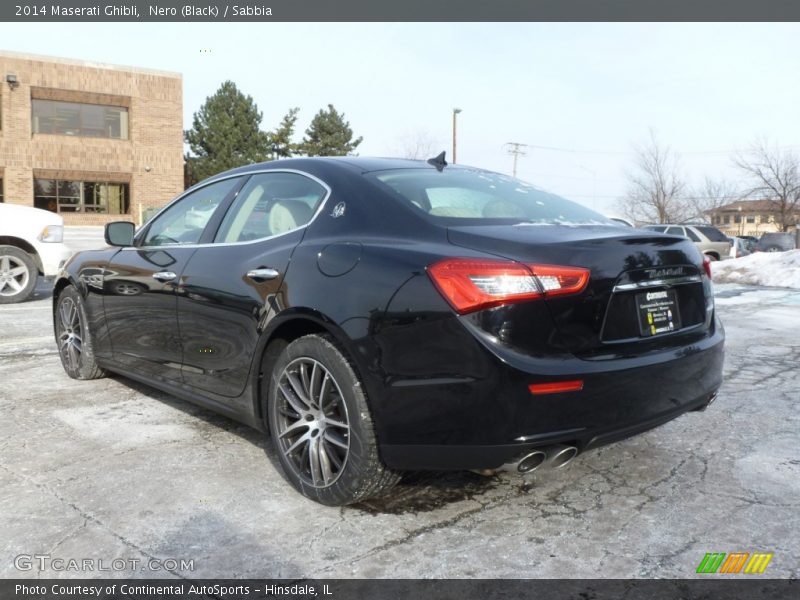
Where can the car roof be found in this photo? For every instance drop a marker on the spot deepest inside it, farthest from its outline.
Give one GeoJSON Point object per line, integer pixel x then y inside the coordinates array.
{"type": "Point", "coordinates": [351, 163]}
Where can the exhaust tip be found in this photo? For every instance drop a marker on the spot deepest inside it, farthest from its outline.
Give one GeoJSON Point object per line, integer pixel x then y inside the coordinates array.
{"type": "Point", "coordinates": [563, 456]}
{"type": "Point", "coordinates": [530, 462]}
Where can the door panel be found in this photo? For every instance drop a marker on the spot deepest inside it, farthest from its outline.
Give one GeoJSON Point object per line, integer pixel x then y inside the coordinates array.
{"type": "Point", "coordinates": [142, 311]}
{"type": "Point", "coordinates": [221, 310]}
{"type": "Point", "coordinates": [223, 299]}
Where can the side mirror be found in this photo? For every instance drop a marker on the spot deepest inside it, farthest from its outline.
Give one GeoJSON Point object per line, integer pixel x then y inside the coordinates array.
{"type": "Point", "coordinates": [119, 233]}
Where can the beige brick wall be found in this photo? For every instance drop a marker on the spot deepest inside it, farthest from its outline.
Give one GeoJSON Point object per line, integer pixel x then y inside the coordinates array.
{"type": "Point", "coordinates": [151, 159]}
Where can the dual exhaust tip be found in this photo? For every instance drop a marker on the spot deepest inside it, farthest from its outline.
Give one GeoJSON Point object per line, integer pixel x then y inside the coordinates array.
{"type": "Point", "coordinates": [554, 457]}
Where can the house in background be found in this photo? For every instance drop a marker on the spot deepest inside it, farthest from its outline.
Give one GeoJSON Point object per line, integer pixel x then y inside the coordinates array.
{"type": "Point", "coordinates": [92, 142]}
{"type": "Point", "coordinates": [750, 217]}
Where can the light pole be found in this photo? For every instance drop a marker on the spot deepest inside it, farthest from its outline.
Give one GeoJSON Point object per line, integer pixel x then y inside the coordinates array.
{"type": "Point", "coordinates": [455, 112]}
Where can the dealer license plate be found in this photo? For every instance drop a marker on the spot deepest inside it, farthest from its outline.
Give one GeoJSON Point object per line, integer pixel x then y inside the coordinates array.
{"type": "Point", "coordinates": [658, 312]}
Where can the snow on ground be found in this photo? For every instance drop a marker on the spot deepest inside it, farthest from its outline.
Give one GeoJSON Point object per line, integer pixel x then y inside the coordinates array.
{"type": "Point", "coordinates": [772, 269]}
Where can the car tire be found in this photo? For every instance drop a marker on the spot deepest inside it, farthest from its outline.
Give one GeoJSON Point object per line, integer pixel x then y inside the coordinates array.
{"type": "Point", "coordinates": [74, 338]}
{"type": "Point", "coordinates": [18, 275]}
{"type": "Point", "coordinates": [773, 249]}
{"type": "Point", "coordinates": [321, 425]}
{"type": "Point", "coordinates": [712, 257]}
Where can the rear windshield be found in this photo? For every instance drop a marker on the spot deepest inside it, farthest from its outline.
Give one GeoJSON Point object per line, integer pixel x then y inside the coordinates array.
{"type": "Point", "coordinates": [470, 195]}
{"type": "Point", "coordinates": [713, 234]}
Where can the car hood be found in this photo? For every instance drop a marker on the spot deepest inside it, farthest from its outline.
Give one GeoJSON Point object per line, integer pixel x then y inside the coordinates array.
{"type": "Point", "coordinates": [13, 216]}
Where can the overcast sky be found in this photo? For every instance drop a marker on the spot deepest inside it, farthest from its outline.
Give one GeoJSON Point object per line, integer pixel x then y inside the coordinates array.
{"type": "Point", "coordinates": [706, 89]}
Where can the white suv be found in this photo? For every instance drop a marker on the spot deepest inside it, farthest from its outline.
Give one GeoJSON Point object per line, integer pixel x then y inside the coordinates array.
{"type": "Point", "coordinates": [31, 244]}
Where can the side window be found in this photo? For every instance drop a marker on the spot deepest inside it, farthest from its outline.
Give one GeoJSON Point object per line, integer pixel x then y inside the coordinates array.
{"type": "Point", "coordinates": [658, 228]}
{"type": "Point", "coordinates": [184, 221]}
{"type": "Point", "coordinates": [676, 231]}
{"type": "Point", "coordinates": [692, 235]}
{"type": "Point", "coordinates": [270, 204]}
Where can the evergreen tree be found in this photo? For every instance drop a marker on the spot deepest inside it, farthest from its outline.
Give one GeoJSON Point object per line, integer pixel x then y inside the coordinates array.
{"type": "Point", "coordinates": [225, 134]}
{"type": "Point", "coordinates": [280, 140]}
{"type": "Point", "coordinates": [329, 135]}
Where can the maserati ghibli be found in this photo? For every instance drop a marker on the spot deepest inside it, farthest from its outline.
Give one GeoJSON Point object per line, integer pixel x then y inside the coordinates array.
{"type": "Point", "coordinates": [375, 316]}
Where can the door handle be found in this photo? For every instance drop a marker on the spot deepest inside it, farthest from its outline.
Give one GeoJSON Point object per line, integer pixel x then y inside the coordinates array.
{"type": "Point", "coordinates": [262, 274]}
{"type": "Point", "coordinates": [164, 276]}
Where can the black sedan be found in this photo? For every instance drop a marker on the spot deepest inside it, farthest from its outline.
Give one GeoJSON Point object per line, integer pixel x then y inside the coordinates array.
{"type": "Point", "coordinates": [380, 315]}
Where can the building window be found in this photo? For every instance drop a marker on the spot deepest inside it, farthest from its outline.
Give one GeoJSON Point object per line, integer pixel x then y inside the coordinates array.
{"type": "Point", "coordinates": [85, 120]}
{"type": "Point", "coordinates": [737, 218]}
{"type": "Point", "coordinates": [59, 195]}
{"type": "Point", "coordinates": [751, 218]}
{"type": "Point", "coordinates": [727, 219]}
{"type": "Point", "coordinates": [2, 197]}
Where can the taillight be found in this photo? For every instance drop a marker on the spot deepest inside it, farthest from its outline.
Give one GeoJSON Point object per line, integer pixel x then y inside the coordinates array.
{"type": "Point", "coordinates": [473, 284]}
{"type": "Point", "coordinates": [707, 265]}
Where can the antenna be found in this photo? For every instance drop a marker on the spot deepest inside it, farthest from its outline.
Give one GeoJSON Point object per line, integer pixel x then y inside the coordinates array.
{"type": "Point", "coordinates": [438, 161]}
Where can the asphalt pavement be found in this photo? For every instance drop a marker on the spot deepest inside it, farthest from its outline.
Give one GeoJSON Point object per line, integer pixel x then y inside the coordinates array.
{"type": "Point", "coordinates": [110, 469]}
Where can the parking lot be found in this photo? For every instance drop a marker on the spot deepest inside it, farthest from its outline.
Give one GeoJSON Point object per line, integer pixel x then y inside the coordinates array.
{"type": "Point", "coordinates": [110, 469]}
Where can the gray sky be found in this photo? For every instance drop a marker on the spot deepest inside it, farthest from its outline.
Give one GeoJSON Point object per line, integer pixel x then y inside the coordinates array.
{"type": "Point", "coordinates": [706, 89]}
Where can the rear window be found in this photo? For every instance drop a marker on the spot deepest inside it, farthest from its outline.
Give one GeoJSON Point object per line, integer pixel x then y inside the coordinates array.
{"type": "Point", "coordinates": [658, 228]}
{"type": "Point", "coordinates": [479, 196]}
{"type": "Point", "coordinates": [713, 234]}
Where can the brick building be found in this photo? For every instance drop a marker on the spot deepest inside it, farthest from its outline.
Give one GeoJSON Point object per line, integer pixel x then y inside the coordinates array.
{"type": "Point", "coordinates": [751, 217]}
{"type": "Point", "coordinates": [93, 142]}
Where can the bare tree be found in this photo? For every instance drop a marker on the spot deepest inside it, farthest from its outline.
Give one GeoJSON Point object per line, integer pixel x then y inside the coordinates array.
{"type": "Point", "coordinates": [655, 185]}
{"type": "Point", "coordinates": [774, 175]}
{"type": "Point", "coordinates": [712, 194]}
{"type": "Point", "coordinates": [419, 145]}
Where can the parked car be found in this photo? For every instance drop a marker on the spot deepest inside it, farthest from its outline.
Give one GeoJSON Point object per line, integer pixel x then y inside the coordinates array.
{"type": "Point", "coordinates": [380, 315]}
{"type": "Point", "coordinates": [622, 221]}
{"type": "Point", "coordinates": [742, 246]}
{"type": "Point", "coordinates": [31, 244]}
{"type": "Point", "coordinates": [776, 242]}
{"type": "Point", "coordinates": [709, 240]}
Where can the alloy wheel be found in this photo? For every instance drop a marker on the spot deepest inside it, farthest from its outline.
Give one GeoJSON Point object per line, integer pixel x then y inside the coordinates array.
{"type": "Point", "coordinates": [70, 338]}
{"type": "Point", "coordinates": [14, 275]}
{"type": "Point", "coordinates": [312, 423]}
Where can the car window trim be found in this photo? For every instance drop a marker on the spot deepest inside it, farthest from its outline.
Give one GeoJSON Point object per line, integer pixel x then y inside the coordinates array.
{"type": "Point", "coordinates": [228, 201]}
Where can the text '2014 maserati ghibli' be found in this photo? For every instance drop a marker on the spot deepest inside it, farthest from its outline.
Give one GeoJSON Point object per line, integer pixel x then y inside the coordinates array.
{"type": "Point", "coordinates": [380, 315]}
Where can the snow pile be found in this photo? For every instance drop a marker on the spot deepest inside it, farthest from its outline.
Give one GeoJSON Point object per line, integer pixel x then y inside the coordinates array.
{"type": "Point", "coordinates": [772, 269]}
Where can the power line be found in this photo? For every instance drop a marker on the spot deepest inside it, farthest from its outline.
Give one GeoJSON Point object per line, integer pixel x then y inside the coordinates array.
{"type": "Point", "coordinates": [631, 152]}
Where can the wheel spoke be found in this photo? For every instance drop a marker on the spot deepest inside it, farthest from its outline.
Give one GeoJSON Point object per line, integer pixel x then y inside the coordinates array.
{"type": "Point", "coordinates": [337, 462]}
{"type": "Point", "coordinates": [14, 285]}
{"type": "Point", "coordinates": [298, 388]}
{"type": "Point", "coordinates": [297, 405]}
{"type": "Point", "coordinates": [313, 384]}
{"type": "Point", "coordinates": [74, 356]}
{"type": "Point", "coordinates": [314, 462]}
{"type": "Point", "coordinates": [306, 383]}
{"type": "Point", "coordinates": [324, 462]}
{"type": "Point", "coordinates": [335, 439]}
{"type": "Point", "coordinates": [297, 443]}
{"type": "Point", "coordinates": [323, 390]}
{"type": "Point", "coordinates": [293, 428]}
{"type": "Point", "coordinates": [64, 314]}
{"type": "Point", "coordinates": [334, 423]}
{"type": "Point", "coordinates": [4, 264]}
{"type": "Point", "coordinates": [74, 321]}
{"type": "Point", "coordinates": [16, 271]}
{"type": "Point", "coordinates": [2, 285]}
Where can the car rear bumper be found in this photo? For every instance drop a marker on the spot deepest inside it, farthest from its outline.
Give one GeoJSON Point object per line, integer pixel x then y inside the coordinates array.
{"type": "Point", "coordinates": [482, 424]}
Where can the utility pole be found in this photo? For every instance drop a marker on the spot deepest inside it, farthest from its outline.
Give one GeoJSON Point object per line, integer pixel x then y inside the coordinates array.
{"type": "Point", "coordinates": [516, 149]}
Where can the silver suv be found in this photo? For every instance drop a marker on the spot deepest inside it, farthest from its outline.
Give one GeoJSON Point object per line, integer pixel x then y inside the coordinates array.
{"type": "Point", "coordinates": [709, 240]}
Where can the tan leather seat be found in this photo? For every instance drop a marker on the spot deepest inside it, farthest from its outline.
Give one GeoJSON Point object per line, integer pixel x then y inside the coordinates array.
{"type": "Point", "coordinates": [286, 215]}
